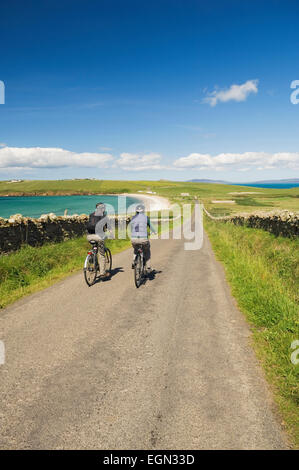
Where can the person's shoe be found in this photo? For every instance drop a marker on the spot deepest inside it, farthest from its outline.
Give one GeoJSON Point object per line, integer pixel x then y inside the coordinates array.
{"type": "Point", "coordinates": [104, 276]}
{"type": "Point", "coordinates": [133, 265]}
{"type": "Point", "coordinates": [149, 269]}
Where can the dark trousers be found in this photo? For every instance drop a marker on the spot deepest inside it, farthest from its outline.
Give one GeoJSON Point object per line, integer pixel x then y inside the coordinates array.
{"type": "Point", "coordinates": [145, 243]}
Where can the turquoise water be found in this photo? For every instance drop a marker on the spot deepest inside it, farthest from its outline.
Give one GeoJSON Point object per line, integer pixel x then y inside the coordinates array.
{"type": "Point", "coordinates": [34, 206]}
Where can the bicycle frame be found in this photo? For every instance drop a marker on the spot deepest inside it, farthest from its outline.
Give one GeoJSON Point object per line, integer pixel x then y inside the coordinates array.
{"type": "Point", "coordinates": [140, 251]}
{"type": "Point", "coordinates": [93, 251]}
{"type": "Point", "coordinates": [140, 277]}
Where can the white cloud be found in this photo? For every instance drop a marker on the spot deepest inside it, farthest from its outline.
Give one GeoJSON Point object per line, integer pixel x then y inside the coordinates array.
{"type": "Point", "coordinates": [239, 161]}
{"type": "Point", "coordinates": [136, 162]}
{"type": "Point", "coordinates": [24, 159]}
{"type": "Point", "coordinates": [37, 157]}
{"type": "Point", "coordinates": [234, 93]}
{"type": "Point", "coordinates": [194, 160]}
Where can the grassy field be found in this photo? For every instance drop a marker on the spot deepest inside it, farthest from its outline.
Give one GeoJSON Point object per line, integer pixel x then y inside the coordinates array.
{"type": "Point", "coordinates": [247, 199]}
{"type": "Point", "coordinates": [263, 272]}
{"type": "Point", "coordinates": [33, 268]}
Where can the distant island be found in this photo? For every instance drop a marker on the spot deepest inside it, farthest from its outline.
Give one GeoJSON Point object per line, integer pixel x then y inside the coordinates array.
{"type": "Point", "coordinates": [207, 181]}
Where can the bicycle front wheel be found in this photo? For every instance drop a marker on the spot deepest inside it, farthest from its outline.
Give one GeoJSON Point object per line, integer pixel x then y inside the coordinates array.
{"type": "Point", "coordinates": [108, 257]}
{"type": "Point", "coordinates": [138, 270]}
{"type": "Point", "coordinates": [90, 269]}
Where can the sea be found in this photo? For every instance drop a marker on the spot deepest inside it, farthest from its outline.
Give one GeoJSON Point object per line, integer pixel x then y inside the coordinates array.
{"type": "Point", "coordinates": [269, 185]}
{"type": "Point", "coordinates": [35, 206]}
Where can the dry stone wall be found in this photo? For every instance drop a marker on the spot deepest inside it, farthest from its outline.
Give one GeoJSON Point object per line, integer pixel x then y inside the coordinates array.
{"type": "Point", "coordinates": [280, 223]}
{"type": "Point", "coordinates": [18, 230]}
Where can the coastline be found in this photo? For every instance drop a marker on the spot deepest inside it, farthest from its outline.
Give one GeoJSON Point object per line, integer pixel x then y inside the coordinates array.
{"type": "Point", "coordinates": [152, 202]}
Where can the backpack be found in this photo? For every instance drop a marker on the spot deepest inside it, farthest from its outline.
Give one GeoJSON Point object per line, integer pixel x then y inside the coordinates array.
{"type": "Point", "coordinates": [92, 222]}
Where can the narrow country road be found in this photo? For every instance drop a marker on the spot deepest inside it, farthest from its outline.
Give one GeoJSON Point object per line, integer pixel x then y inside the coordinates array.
{"type": "Point", "coordinates": [167, 366]}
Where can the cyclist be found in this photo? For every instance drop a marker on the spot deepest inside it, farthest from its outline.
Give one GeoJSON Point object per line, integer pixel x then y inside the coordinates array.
{"type": "Point", "coordinates": [139, 235]}
{"type": "Point", "coordinates": [97, 227]}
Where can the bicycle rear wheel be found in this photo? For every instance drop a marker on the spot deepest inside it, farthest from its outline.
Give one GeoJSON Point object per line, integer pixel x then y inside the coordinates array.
{"type": "Point", "coordinates": [138, 270]}
{"type": "Point", "coordinates": [90, 269]}
{"type": "Point", "coordinates": [108, 257]}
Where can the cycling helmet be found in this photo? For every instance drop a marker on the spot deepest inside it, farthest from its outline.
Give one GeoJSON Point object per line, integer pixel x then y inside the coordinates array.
{"type": "Point", "coordinates": [140, 208]}
{"type": "Point", "coordinates": [100, 209]}
{"type": "Point", "coordinates": [100, 205]}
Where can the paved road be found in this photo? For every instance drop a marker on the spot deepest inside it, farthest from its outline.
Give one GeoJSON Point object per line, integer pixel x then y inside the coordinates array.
{"type": "Point", "coordinates": [166, 366]}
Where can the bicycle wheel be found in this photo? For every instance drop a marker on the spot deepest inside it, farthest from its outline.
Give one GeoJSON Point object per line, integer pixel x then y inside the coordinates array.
{"type": "Point", "coordinates": [90, 269]}
{"type": "Point", "coordinates": [108, 257]}
{"type": "Point", "coordinates": [138, 270]}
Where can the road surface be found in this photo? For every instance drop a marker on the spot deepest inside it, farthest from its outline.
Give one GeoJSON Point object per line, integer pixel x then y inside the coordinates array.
{"type": "Point", "coordinates": [167, 366]}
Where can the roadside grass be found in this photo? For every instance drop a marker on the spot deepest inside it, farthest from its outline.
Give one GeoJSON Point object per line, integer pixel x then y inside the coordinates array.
{"type": "Point", "coordinates": [263, 272]}
{"type": "Point", "coordinates": [31, 269]}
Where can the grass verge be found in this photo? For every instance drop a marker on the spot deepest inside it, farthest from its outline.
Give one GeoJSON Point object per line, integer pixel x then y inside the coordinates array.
{"type": "Point", "coordinates": [263, 272]}
{"type": "Point", "coordinates": [31, 269]}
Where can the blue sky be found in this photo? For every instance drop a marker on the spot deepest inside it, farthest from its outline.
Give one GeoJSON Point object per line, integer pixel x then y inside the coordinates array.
{"type": "Point", "coordinates": [123, 90]}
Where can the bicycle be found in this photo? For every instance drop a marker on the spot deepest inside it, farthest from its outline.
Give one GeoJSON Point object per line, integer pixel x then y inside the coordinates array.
{"type": "Point", "coordinates": [91, 265]}
{"type": "Point", "coordinates": [139, 267]}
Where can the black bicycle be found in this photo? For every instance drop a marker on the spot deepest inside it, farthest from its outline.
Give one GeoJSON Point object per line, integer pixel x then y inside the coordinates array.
{"type": "Point", "coordinates": [91, 265]}
{"type": "Point", "coordinates": [139, 266]}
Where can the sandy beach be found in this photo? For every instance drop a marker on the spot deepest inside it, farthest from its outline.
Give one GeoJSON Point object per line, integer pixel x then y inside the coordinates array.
{"type": "Point", "coordinates": [152, 202]}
